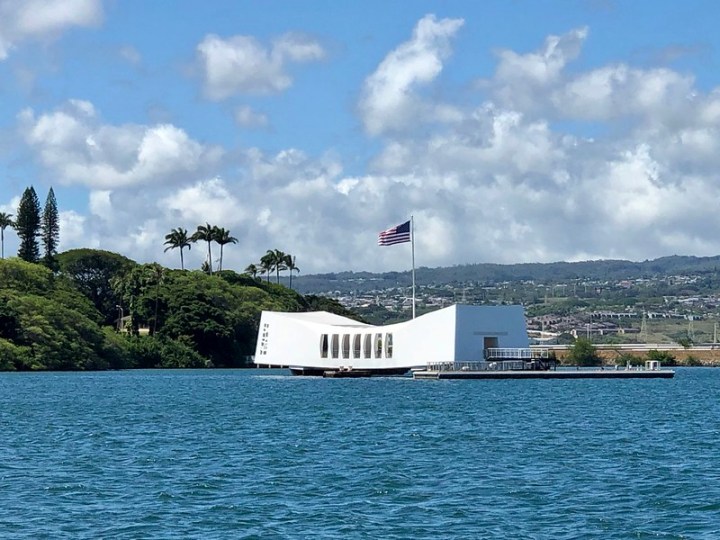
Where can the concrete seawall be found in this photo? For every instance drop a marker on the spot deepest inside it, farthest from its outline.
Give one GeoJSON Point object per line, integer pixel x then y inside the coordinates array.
{"type": "Point", "coordinates": [706, 356]}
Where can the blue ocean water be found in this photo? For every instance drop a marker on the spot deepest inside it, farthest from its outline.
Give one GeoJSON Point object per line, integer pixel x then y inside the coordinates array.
{"type": "Point", "coordinates": [260, 454]}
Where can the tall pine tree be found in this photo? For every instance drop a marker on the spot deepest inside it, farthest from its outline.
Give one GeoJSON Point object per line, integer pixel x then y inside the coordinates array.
{"type": "Point", "coordinates": [50, 230]}
{"type": "Point", "coordinates": [27, 226]}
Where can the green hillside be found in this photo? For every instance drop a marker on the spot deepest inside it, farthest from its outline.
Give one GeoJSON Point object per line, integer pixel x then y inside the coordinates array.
{"type": "Point", "coordinates": [70, 319]}
{"type": "Point", "coordinates": [346, 282]}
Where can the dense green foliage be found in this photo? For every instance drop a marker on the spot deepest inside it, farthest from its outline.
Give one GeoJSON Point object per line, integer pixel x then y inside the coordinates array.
{"type": "Point", "coordinates": [27, 226]}
{"type": "Point", "coordinates": [583, 353]}
{"type": "Point", "coordinates": [69, 320]}
{"type": "Point", "coordinates": [45, 323]}
{"type": "Point", "coordinates": [664, 357]}
{"type": "Point", "coordinates": [91, 271]}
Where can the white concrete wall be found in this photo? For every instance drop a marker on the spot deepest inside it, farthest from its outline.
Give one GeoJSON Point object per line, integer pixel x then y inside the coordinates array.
{"type": "Point", "coordinates": [428, 338]}
{"type": "Point", "coordinates": [451, 334]}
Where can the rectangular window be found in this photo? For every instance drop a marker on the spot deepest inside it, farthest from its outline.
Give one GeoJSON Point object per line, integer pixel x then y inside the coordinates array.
{"type": "Point", "coordinates": [346, 346]}
{"type": "Point", "coordinates": [356, 345]}
{"type": "Point", "coordinates": [335, 345]}
{"type": "Point", "coordinates": [388, 345]}
{"type": "Point", "coordinates": [367, 346]}
{"type": "Point", "coordinates": [378, 345]}
{"type": "Point", "coordinates": [324, 346]}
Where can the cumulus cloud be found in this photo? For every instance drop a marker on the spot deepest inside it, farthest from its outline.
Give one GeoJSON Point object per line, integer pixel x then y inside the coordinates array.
{"type": "Point", "coordinates": [498, 179]}
{"type": "Point", "coordinates": [618, 91]}
{"type": "Point", "coordinates": [523, 81]}
{"type": "Point", "coordinates": [22, 20]}
{"type": "Point", "coordinates": [76, 146]}
{"type": "Point", "coordinates": [389, 99]}
{"type": "Point", "coordinates": [243, 65]}
{"type": "Point", "coordinates": [206, 200]}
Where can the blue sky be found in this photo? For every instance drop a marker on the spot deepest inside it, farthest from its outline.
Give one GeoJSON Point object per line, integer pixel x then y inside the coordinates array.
{"type": "Point", "coordinates": [513, 131]}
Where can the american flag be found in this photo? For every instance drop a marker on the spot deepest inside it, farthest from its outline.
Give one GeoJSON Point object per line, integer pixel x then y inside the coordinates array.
{"type": "Point", "coordinates": [395, 235]}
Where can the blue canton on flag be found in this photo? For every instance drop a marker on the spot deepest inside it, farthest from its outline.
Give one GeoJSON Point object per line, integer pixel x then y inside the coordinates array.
{"type": "Point", "coordinates": [395, 235]}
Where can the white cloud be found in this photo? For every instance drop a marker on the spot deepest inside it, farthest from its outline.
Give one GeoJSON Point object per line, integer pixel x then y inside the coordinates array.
{"type": "Point", "coordinates": [521, 80]}
{"type": "Point", "coordinates": [389, 101]}
{"type": "Point", "coordinates": [100, 203]}
{"type": "Point", "coordinates": [618, 91]}
{"type": "Point", "coordinates": [22, 20]}
{"type": "Point", "coordinates": [500, 179]}
{"type": "Point", "coordinates": [74, 232]}
{"type": "Point", "coordinates": [243, 65]}
{"type": "Point", "coordinates": [74, 144]}
{"type": "Point", "coordinates": [204, 201]}
{"type": "Point", "coordinates": [246, 117]}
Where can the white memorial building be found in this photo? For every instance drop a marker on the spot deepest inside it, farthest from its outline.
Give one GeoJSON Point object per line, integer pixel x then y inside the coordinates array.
{"type": "Point", "coordinates": [315, 342]}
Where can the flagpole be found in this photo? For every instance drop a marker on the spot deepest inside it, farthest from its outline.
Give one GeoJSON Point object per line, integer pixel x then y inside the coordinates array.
{"type": "Point", "coordinates": [412, 238]}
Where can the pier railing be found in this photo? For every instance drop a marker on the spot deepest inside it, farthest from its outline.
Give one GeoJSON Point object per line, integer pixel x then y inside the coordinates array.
{"type": "Point", "coordinates": [499, 359]}
{"type": "Point", "coordinates": [507, 365]}
{"type": "Point", "coordinates": [508, 353]}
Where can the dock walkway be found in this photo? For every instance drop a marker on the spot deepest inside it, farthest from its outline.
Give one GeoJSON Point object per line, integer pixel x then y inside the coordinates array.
{"type": "Point", "coordinates": [546, 374]}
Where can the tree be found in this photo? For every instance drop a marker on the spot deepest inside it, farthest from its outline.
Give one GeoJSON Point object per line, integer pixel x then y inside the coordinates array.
{"type": "Point", "coordinates": [45, 323]}
{"type": "Point", "coordinates": [664, 357]}
{"type": "Point", "coordinates": [50, 231]}
{"type": "Point", "coordinates": [222, 237]}
{"type": "Point", "coordinates": [267, 263]}
{"type": "Point", "coordinates": [290, 264]}
{"type": "Point", "coordinates": [584, 353]}
{"type": "Point", "coordinates": [92, 270]}
{"type": "Point", "coordinates": [5, 222]}
{"type": "Point", "coordinates": [253, 270]}
{"type": "Point", "coordinates": [27, 226]}
{"type": "Point", "coordinates": [139, 291]}
{"type": "Point", "coordinates": [205, 233]}
{"type": "Point", "coordinates": [178, 238]}
{"type": "Point", "coordinates": [159, 276]}
{"type": "Point", "coordinates": [279, 263]}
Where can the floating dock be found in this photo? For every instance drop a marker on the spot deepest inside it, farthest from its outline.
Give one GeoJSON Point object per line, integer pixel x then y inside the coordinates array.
{"type": "Point", "coordinates": [546, 374]}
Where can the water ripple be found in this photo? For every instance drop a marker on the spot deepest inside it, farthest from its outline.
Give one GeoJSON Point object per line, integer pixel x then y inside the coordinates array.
{"type": "Point", "coordinates": [258, 454]}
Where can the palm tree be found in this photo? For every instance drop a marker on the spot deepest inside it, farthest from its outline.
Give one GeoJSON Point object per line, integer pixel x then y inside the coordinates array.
{"type": "Point", "coordinates": [222, 237]}
{"type": "Point", "coordinates": [275, 260]}
{"type": "Point", "coordinates": [206, 233]}
{"type": "Point", "coordinates": [267, 263]}
{"type": "Point", "coordinates": [178, 238]}
{"type": "Point", "coordinates": [280, 265]}
{"type": "Point", "coordinates": [290, 264]}
{"type": "Point", "coordinates": [253, 270]}
{"type": "Point", "coordinates": [5, 222]}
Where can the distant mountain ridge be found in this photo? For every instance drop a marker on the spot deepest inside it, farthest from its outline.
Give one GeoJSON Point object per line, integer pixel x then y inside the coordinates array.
{"type": "Point", "coordinates": [608, 269]}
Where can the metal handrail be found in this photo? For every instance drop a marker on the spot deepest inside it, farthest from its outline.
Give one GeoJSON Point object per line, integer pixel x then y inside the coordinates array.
{"type": "Point", "coordinates": [515, 353]}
